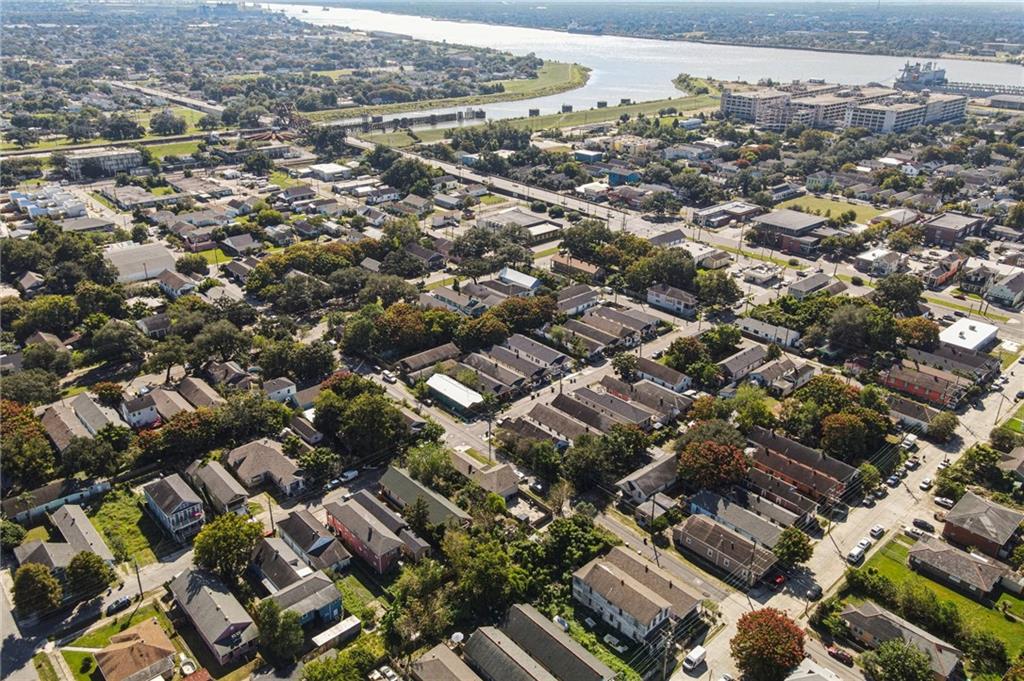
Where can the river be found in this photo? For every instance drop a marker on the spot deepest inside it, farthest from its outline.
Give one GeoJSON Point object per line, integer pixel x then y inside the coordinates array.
{"type": "Point", "coordinates": [640, 69]}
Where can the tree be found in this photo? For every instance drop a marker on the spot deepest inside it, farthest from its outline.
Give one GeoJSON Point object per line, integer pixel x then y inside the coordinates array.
{"type": "Point", "coordinates": [36, 590]}
{"type": "Point", "coordinates": [226, 544]}
{"type": "Point", "coordinates": [751, 406]}
{"type": "Point", "coordinates": [32, 386]}
{"type": "Point", "coordinates": [844, 436]}
{"type": "Point", "coordinates": [220, 339]}
{"type": "Point", "coordinates": [897, 660]}
{"type": "Point", "coordinates": [28, 458]}
{"type": "Point", "coordinates": [88, 574]}
{"type": "Point", "coordinates": [714, 430]}
{"type": "Point", "coordinates": [900, 293]}
{"type": "Point", "coordinates": [11, 534]}
{"type": "Point", "coordinates": [767, 645]}
{"type": "Point", "coordinates": [46, 357]}
{"type": "Point", "coordinates": [166, 123]}
{"type": "Point", "coordinates": [192, 263]}
{"type": "Point", "coordinates": [943, 426]}
{"type": "Point", "coordinates": [258, 163]}
{"type": "Point", "coordinates": [870, 478]}
{"type": "Point", "coordinates": [108, 393]}
{"type": "Point", "coordinates": [94, 457]}
{"type": "Point", "coordinates": [281, 633]}
{"type": "Point", "coordinates": [716, 287]}
{"type": "Point", "coordinates": [722, 340]}
{"type": "Point", "coordinates": [117, 341]}
{"type": "Point", "coordinates": [712, 465]}
{"type": "Point", "coordinates": [166, 355]}
{"type": "Point", "coordinates": [793, 547]}
{"type": "Point", "coordinates": [417, 514]}
{"type": "Point", "coordinates": [918, 332]}
{"type": "Point", "coordinates": [208, 122]}
{"type": "Point", "coordinates": [625, 365]}
{"type": "Point", "coordinates": [318, 464]}
{"type": "Point", "coordinates": [430, 463]}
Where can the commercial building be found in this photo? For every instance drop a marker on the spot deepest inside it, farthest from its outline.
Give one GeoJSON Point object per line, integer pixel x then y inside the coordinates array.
{"type": "Point", "coordinates": [453, 394]}
{"type": "Point", "coordinates": [900, 113]}
{"type": "Point", "coordinates": [969, 334]}
{"type": "Point", "coordinates": [790, 231]}
{"type": "Point", "coordinates": [105, 162]}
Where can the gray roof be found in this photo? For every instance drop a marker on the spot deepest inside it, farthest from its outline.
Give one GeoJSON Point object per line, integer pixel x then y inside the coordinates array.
{"type": "Point", "coordinates": [307, 532]}
{"type": "Point", "coordinates": [260, 457]}
{"type": "Point", "coordinates": [884, 626]}
{"type": "Point", "coordinates": [148, 260]}
{"type": "Point", "coordinates": [278, 383]}
{"type": "Point", "coordinates": [441, 664]}
{"type": "Point", "coordinates": [648, 366]}
{"type": "Point", "coordinates": [199, 392]}
{"type": "Point", "coordinates": [380, 510]}
{"type": "Point", "coordinates": [427, 358]}
{"type": "Point", "coordinates": [982, 573]}
{"type": "Point", "coordinates": [620, 589]}
{"type": "Point", "coordinates": [811, 283]}
{"type": "Point", "coordinates": [79, 532]}
{"type": "Point", "coordinates": [570, 405]}
{"type": "Point", "coordinates": [278, 562]}
{"type": "Point", "coordinates": [651, 395]}
{"type": "Point", "coordinates": [498, 657]}
{"type": "Point", "coordinates": [54, 555]}
{"type": "Point", "coordinates": [558, 421]}
{"type": "Point", "coordinates": [171, 492]}
{"type": "Point", "coordinates": [654, 476]}
{"type": "Point", "coordinates": [735, 363]}
{"type": "Point", "coordinates": [401, 485]}
{"type": "Point", "coordinates": [715, 536]}
{"type": "Point", "coordinates": [85, 224]}
{"type": "Point", "coordinates": [791, 221]}
{"type": "Point", "coordinates": [738, 518]}
{"type": "Point", "coordinates": [518, 341]}
{"type": "Point", "coordinates": [220, 485]}
{"type": "Point", "coordinates": [556, 650]}
{"type": "Point", "coordinates": [802, 454]}
{"type": "Point", "coordinates": [309, 594]}
{"type": "Point", "coordinates": [682, 601]}
{"type": "Point", "coordinates": [371, 531]}
{"type": "Point", "coordinates": [984, 518]}
{"type": "Point", "coordinates": [215, 612]}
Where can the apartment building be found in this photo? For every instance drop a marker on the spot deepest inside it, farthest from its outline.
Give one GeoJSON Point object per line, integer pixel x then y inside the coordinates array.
{"type": "Point", "coordinates": [105, 162]}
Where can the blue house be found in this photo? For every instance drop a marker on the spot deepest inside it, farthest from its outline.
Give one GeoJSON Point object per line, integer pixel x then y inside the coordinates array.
{"type": "Point", "coordinates": [313, 598]}
{"type": "Point", "coordinates": [618, 177]}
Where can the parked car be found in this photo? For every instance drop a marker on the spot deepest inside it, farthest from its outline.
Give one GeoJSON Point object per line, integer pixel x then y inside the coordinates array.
{"type": "Point", "coordinates": [926, 484]}
{"type": "Point", "coordinates": [892, 481]}
{"type": "Point", "coordinates": [1020, 395]}
{"type": "Point", "coordinates": [877, 531]}
{"type": "Point", "coordinates": [560, 621]}
{"type": "Point", "coordinates": [388, 377]}
{"type": "Point", "coordinates": [841, 655]}
{"type": "Point", "coordinates": [880, 493]}
{"type": "Point", "coordinates": [944, 464]}
{"type": "Point", "coordinates": [120, 604]}
{"type": "Point", "coordinates": [922, 524]}
{"type": "Point", "coordinates": [912, 532]}
{"type": "Point", "coordinates": [913, 463]}
{"type": "Point", "coordinates": [944, 502]}
{"type": "Point", "coordinates": [855, 556]}
{"type": "Point", "coordinates": [864, 544]}
{"type": "Point", "coordinates": [814, 593]}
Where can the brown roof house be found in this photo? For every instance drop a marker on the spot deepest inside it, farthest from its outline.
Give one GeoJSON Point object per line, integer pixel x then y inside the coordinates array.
{"type": "Point", "coordinates": [140, 653]}
{"type": "Point", "coordinates": [984, 525]}
{"type": "Point", "coordinates": [974, 575]}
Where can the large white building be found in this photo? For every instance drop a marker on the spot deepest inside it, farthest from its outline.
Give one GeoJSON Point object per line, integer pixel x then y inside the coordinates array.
{"type": "Point", "coordinates": [969, 334]}
{"type": "Point", "coordinates": [901, 113]}
{"type": "Point", "coordinates": [89, 163]}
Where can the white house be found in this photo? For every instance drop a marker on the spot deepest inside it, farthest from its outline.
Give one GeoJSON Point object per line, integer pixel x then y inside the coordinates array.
{"type": "Point", "coordinates": [771, 333]}
{"type": "Point", "coordinates": [672, 299]}
{"type": "Point", "coordinates": [279, 389]}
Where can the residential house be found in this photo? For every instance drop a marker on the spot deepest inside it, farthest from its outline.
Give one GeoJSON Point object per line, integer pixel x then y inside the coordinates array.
{"type": "Point", "coordinates": [365, 535]}
{"type": "Point", "coordinates": [743, 560]}
{"type": "Point", "coordinates": [401, 489]}
{"type": "Point", "coordinates": [496, 478]}
{"type": "Point", "coordinates": [648, 480]}
{"type": "Point", "coordinates": [159, 404]}
{"type": "Point", "coordinates": [621, 602]}
{"type": "Point", "coordinates": [222, 491]}
{"type": "Point", "coordinates": [431, 260]}
{"type": "Point", "coordinates": [980, 367]}
{"type": "Point", "coordinates": [280, 389]}
{"type": "Point", "coordinates": [576, 268]}
{"type": "Point", "coordinates": [926, 383]}
{"type": "Point", "coordinates": [175, 284]}
{"type": "Point", "coordinates": [276, 564]}
{"type": "Point", "coordinates": [263, 461]}
{"type": "Point", "coordinates": [554, 649]}
{"type": "Point", "coordinates": [770, 333]}
{"type": "Point", "coordinates": [175, 506]}
{"type": "Point", "coordinates": [428, 358]}
{"type": "Point", "coordinates": [314, 598]}
{"type": "Point", "coordinates": [228, 375]}
{"type": "Point", "coordinates": [879, 262]}
{"type": "Point", "coordinates": [79, 532]}
{"type": "Point", "coordinates": [142, 652]}
{"type": "Point", "coordinates": [812, 473]}
{"type": "Point", "coordinates": [441, 664]}
{"type": "Point", "coordinates": [973, 575]}
{"type": "Point", "coordinates": [673, 299]}
{"type": "Point", "coordinates": [224, 626]}
{"type": "Point", "coordinates": [943, 271]}
{"type": "Point", "coordinates": [576, 299]}
{"type": "Point", "coordinates": [78, 416]}
{"type": "Point", "coordinates": [736, 517]}
{"type": "Point", "coordinates": [982, 524]}
{"type": "Point", "coordinates": [31, 283]}
{"type": "Point", "coordinates": [32, 504]}
{"type": "Point", "coordinates": [873, 625]}
{"type": "Point", "coordinates": [662, 375]}
{"type": "Point", "coordinates": [910, 414]}
{"type": "Point", "coordinates": [154, 326]}
{"type": "Point", "coordinates": [552, 360]}
{"type": "Point", "coordinates": [782, 376]}
{"type": "Point", "coordinates": [736, 367]}
{"type": "Point", "coordinates": [497, 658]}
{"type": "Point", "coordinates": [199, 393]}
{"type": "Point", "coordinates": [240, 245]}
{"type": "Point", "coordinates": [311, 540]}
{"type": "Point", "coordinates": [1008, 291]}
{"type": "Point", "coordinates": [665, 403]}
{"type": "Point", "coordinates": [819, 282]}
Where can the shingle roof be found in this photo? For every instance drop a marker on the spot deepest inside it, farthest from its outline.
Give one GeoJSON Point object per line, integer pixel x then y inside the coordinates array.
{"type": "Point", "coordinates": [654, 476]}
{"type": "Point", "coordinates": [981, 573]}
{"type": "Point", "coordinates": [441, 664]}
{"type": "Point", "coordinates": [498, 657]}
{"type": "Point", "coordinates": [199, 392]}
{"type": "Point", "coordinates": [984, 518]}
{"type": "Point", "coordinates": [720, 538]}
{"type": "Point", "coordinates": [401, 484]}
{"type": "Point", "coordinates": [51, 554]}
{"type": "Point", "coordinates": [620, 589]}
{"type": "Point", "coordinates": [681, 600]}
{"type": "Point", "coordinates": [802, 454]}
{"type": "Point", "coordinates": [171, 492]}
{"type": "Point", "coordinates": [312, 592]}
{"type": "Point", "coordinates": [558, 652]}
{"type": "Point", "coordinates": [78, 531]}
{"type": "Point", "coordinates": [735, 516]}
{"type": "Point", "coordinates": [260, 457]}
{"type": "Point", "coordinates": [278, 562]}
{"type": "Point", "coordinates": [884, 626]}
{"type": "Point", "coordinates": [214, 611]}
{"type": "Point", "coordinates": [134, 650]}
{"type": "Point", "coordinates": [370, 530]}
{"type": "Point", "coordinates": [220, 485]}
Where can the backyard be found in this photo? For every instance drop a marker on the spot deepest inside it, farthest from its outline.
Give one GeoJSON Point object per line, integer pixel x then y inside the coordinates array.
{"type": "Point", "coordinates": [818, 203]}
{"type": "Point", "coordinates": [121, 520]}
{"type": "Point", "coordinates": [891, 561]}
{"type": "Point", "coordinates": [98, 638]}
{"type": "Point", "coordinates": [82, 665]}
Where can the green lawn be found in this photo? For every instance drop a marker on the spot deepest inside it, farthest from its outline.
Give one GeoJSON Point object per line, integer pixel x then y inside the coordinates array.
{"type": "Point", "coordinates": [1005, 358]}
{"type": "Point", "coordinates": [546, 252]}
{"type": "Point", "coordinates": [121, 515]}
{"type": "Point", "coordinates": [162, 191]}
{"type": "Point", "coordinates": [813, 203]}
{"type": "Point", "coordinates": [891, 561]}
{"type": "Point", "coordinates": [215, 256]}
{"type": "Point", "coordinates": [355, 597]}
{"type": "Point", "coordinates": [184, 148]}
{"type": "Point", "coordinates": [447, 281]}
{"type": "Point", "coordinates": [1016, 422]}
{"type": "Point", "coordinates": [142, 117]}
{"type": "Point", "coordinates": [492, 199]}
{"type": "Point", "coordinates": [102, 199]}
{"type": "Point", "coordinates": [98, 638]}
{"type": "Point", "coordinates": [39, 532]}
{"type": "Point", "coordinates": [44, 668]}
{"type": "Point", "coordinates": [553, 77]}
{"type": "Point", "coordinates": [393, 139]}
{"type": "Point", "coordinates": [82, 665]}
{"type": "Point", "coordinates": [591, 640]}
{"type": "Point", "coordinates": [757, 255]}
{"type": "Point", "coordinates": [282, 180]}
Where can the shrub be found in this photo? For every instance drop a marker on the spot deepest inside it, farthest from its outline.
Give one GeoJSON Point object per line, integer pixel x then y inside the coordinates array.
{"type": "Point", "coordinates": [856, 281]}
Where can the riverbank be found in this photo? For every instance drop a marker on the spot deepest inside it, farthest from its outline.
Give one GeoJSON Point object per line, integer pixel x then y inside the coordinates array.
{"type": "Point", "coordinates": [553, 78]}
{"type": "Point", "coordinates": [779, 45]}
{"type": "Point", "coordinates": [692, 104]}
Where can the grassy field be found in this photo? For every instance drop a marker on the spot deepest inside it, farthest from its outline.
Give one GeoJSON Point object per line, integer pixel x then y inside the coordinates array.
{"type": "Point", "coordinates": [162, 191]}
{"type": "Point", "coordinates": [143, 117]}
{"type": "Point", "coordinates": [82, 665]}
{"type": "Point", "coordinates": [44, 668]}
{"type": "Point", "coordinates": [121, 515]}
{"type": "Point", "coordinates": [537, 255]}
{"type": "Point", "coordinates": [39, 532]}
{"type": "Point", "coordinates": [492, 199]}
{"type": "Point", "coordinates": [815, 203]}
{"type": "Point", "coordinates": [691, 104]}
{"type": "Point", "coordinates": [102, 199]}
{"type": "Point", "coordinates": [98, 638]}
{"type": "Point", "coordinates": [756, 255]}
{"type": "Point", "coordinates": [356, 597]}
{"type": "Point", "coordinates": [174, 148]}
{"type": "Point", "coordinates": [891, 561]}
{"type": "Point", "coordinates": [1016, 422]}
{"type": "Point", "coordinates": [215, 256]}
{"type": "Point", "coordinates": [1005, 358]}
{"type": "Point", "coordinates": [553, 77]}
{"type": "Point", "coordinates": [282, 180]}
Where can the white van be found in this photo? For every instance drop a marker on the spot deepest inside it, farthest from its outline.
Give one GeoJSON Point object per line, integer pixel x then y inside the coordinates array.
{"type": "Point", "coordinates": [695, 658]}
{"type": "Point", "coordinates": [855, 556]}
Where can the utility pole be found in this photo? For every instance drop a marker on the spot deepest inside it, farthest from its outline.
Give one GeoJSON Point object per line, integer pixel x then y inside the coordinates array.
{"type": "Point", "coordinates": [669, 640]}
{"type": "Point", "coordinates": [270, 507]}
{"type": "Point", "coordinates": [138, 577]}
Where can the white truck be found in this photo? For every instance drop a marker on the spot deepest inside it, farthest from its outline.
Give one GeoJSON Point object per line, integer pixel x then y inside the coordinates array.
{"type": "Point", "coordinates": [695, 658]}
